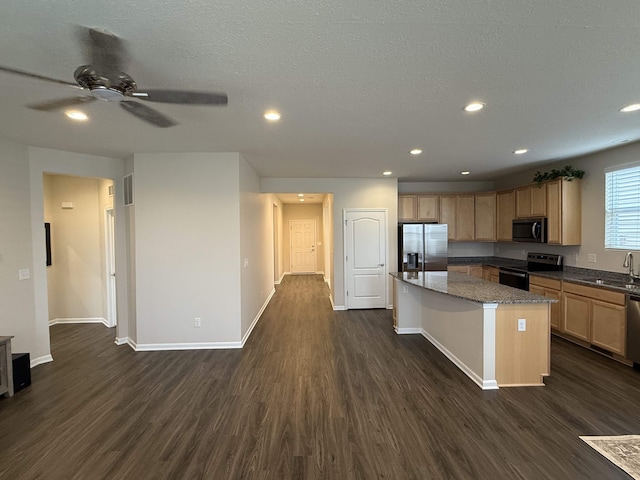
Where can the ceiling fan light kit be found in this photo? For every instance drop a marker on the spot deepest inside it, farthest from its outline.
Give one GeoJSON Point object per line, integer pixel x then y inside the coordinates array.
{"type": "Point", "coordinates": [105, 79]}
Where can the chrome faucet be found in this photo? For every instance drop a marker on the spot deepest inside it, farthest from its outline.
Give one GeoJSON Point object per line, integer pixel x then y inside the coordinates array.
{"type": "Point", "coordinates": [628, 263]}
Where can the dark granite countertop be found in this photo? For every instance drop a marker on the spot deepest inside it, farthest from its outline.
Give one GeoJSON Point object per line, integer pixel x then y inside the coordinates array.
{"type": "Point", "coordinates": [615, 281]}
{"type": "Point", "coordinates": [469, 288]}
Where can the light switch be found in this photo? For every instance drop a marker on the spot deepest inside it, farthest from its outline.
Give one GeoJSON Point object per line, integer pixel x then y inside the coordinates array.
{"type": "Point", "coordinates": [24, 274]}
{"type": "Point", "coordinates": [522, 324]}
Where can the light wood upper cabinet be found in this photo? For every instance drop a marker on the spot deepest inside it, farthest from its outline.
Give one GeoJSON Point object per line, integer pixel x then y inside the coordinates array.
{"type": "Point", "coordinates": [448, 214]}
{"type": "Point", "coordinates": [531, 201]}
{"type": "Point", "coordinates": [465, 218]}
{"type": "Point", "coordinates": [458, 212]}
{"type": "Point", "coordinates": [505, 213]}
{"type": "Point", "coordinates": [485, 217]}
{"type": "Point", "coordinates": [564, 212]}
{"type": "Point", "coordinates": [427, 208]}
{"type": "Point", "coordinates": [407, 208]}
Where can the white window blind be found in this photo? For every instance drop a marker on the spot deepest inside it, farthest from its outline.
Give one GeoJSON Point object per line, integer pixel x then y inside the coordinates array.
{"type": "Point", "coordinates": [622, 208]}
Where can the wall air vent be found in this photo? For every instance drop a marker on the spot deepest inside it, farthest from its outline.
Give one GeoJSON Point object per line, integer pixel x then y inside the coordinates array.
{"type": "Point", "coordinates": [128, 190]}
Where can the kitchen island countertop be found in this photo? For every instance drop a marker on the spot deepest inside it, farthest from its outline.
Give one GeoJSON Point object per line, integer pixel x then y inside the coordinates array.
{"type": "Point", "coordinates": [469, 288]}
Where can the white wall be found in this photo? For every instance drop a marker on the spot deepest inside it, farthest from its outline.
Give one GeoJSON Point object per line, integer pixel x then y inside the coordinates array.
{"type": "Point", "coordinates": [17, 314]}
{"type": "Point", "coordinates": [592, 210]}
{"type": "Point", "coordinates": [347, 193]}
{"type": "Point", "coordinates": [187, 258]}
{"type": "Point", "coordinates": [41, 161]}
{"type": "Point", "coordinates": [256, 247]}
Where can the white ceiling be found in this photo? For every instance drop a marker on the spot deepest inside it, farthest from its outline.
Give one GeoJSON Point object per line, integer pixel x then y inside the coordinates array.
{"type": "Point", "coordinates": [358, 82]}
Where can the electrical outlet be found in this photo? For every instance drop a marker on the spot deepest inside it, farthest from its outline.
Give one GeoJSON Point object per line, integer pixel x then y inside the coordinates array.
{"type": "Point", "coordinates": [24, 274]}
{"type": "Point", "coordinates": [246, 262]}
{"type": "Point", "coordinates": [522, 324]}
{"type": "Point", "coordinates": [405, 289]}
{"type": "Point", "coordinates": [591, 258]}
{"type": "Point", "coordinates": [197, 322]}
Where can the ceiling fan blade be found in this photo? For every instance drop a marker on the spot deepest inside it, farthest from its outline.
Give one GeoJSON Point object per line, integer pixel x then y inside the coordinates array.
{"type": "Point", "coordinates": [105, 49]}
{"type": "Point", "coordinates": [60, 103]}
{"type": "Point", "coordinates": [183, 97]}
{"type": "Point", "coordinates": [38, 77]}
{"type": "Point", "coordinates": [148, 114]}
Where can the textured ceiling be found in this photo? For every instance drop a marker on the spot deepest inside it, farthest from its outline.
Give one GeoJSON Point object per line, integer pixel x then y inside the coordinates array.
{"type": "Point", "coordinates": [358, 83]}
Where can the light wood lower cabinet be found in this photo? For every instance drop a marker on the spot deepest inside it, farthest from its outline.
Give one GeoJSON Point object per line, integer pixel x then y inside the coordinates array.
{"type": "Point", "coordinates": [609, 326]}
{"type": "Point", "coordinates": [595, 315]}
{"type": "Point", "coordinates": [471, 270]}
{"type": "Point", "coordinates": [550, 288]}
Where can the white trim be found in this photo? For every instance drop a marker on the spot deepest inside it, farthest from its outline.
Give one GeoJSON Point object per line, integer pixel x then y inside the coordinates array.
{"type": "Point", "coordinates": [154, 347]}
{"type": "Point", "coordinates": [489, 342]}
{"type": "Point", "coordinates": [40, 360]}
{"type": "Point", "coordinates": [56, 321]}
{"type": "Point", "coordinates": [338, 308]}
{"type": "Point", "coordinates": [484, 384]}
{"type": "Point", "coordinates": [279, 281]}
{"type": "Point", "coordinates": [409, 330]}
{"type": "Point", "coordinates": [255, 320]}
{"type": "Point", "coordinates": [121, 340]}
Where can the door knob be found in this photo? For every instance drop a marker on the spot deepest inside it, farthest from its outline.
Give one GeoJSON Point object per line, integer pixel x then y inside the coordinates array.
{"type": "Point", "coordinates": [381, 265]}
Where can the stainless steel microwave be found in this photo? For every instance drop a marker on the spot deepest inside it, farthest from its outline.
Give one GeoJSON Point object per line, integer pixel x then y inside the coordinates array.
{"type": "Point", "coordinates": [532, 230]}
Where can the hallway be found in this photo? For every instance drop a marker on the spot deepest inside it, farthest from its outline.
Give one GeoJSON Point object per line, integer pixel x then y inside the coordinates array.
{"type": "Point", "coordinates": [314, 394]}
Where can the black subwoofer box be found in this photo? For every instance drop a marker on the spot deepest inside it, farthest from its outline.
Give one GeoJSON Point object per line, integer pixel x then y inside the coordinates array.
{"type": "Point", "coordinates": [21, 371]}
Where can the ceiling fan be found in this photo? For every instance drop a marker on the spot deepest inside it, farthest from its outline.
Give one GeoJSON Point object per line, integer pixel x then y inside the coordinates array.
{"type": "Point", "coordinates": [104, 79]}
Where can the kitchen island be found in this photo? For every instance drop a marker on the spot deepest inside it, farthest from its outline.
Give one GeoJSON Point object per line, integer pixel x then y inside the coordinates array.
{"type": "Point", "coordinates": [497, 335]}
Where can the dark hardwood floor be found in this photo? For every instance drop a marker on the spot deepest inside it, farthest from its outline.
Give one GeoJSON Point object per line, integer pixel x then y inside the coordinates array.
{"type": "Point", "coordinates": [315, 394]}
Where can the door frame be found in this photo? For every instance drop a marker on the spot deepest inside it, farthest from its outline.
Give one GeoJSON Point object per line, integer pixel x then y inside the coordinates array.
{"type": "Point", "coordinates": [110, 259]}
{"type": "Point", "coordinates": [345, 270]}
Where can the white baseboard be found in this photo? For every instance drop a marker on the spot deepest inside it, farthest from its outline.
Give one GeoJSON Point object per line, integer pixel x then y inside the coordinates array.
{"type": "Point", "coordinates": [338, 307]}
{"type": "Point", "coordinates": [409, 331]}
{"type": "Point", "coordinates": [484, 384]}
{"type": "Point", "coordinates": [155, 347]}
{"type": "Point", "coordinates": [255, 320]}
{"type": "Point", "coordinates": [40, 360]}
{"type": "Point", "coordinates": [121, 340]}
{"type": "Point", "coordinates": [56, 321]}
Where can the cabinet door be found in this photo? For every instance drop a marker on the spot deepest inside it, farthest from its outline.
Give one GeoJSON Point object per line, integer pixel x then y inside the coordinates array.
{"type": "Point", "coordinates": [465, 218]}
{"type": "Point", "coordinates": [475, 271]}
{"type": "Point", "coordinates": [554, 212]}
{"type": "Point", "coordinates": [427, 208]}
{"type": "Point", "coordinates": [485, 219]}
{"type": "Point", "coordinates": [458, 269]}
{"type": "Point", "coordinates": [448, 214]}
{"type": "Point", "coordinates": [577, 320]}
{"type": "Point", "coordinates": [486, 273]}
{"type": "Point", "coordinates": [609, 326]}
{"type": "Point", "coordinates": [407, 208]}
{"type": "Point", "coordinates": [538, 200]}
{"type": "Point", "coordinates": [556, 308]}
{"type": "Point", "coordinates": [505, 215]}
{"type": "Point", "coordinates": [523, 202]}
{"type": "Point", "coordinates": [495, 275]}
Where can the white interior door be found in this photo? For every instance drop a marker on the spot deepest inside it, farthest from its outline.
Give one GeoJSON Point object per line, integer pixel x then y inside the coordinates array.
{"type": "Point", "coordinates": [303, 246]}
{"type": "Point", "coordinates": [111, 266]}
{"type": "Point", "coordinates": [365, 258]}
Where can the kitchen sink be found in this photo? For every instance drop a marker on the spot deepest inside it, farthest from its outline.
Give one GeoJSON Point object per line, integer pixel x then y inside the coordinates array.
{"type": "Point", "coordinates": [626, 284]}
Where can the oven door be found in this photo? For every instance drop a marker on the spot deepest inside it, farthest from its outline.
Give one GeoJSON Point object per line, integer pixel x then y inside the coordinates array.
{"type": "Point", "coordinates": [514, 278]}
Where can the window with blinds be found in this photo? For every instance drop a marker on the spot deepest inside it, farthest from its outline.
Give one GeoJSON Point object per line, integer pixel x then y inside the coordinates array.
{"type": "Point", "coordinates": [622, 207]}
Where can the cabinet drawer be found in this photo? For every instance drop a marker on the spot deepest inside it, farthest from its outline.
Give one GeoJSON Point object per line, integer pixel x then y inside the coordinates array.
{"type": "Point", "coordinates": [601, 294]}
{"type": "Point", "coordinates": [545, 282]}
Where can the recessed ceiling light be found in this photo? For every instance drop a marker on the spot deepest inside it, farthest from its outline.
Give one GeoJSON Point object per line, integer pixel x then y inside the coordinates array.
{"type": "Point", "coordinates": [76, 115]}
{"type": "Point", "coordinates": [387, 173]}
{"type": "Point", "coordinates": [520, 151]}
{"type": "Point", "coordinates": [631, 108]}
{"type": "Point", "coordinates": [272, 115]}
{"type": "Point", "coordinates": [465, 173]}
{"type": "Point", "coordinates": [474, 107]}
{"type": "Point", "coordinates": [301, 194]}
{"type": "Point", "coordinates": [302, 199]}
{"type": "Point", "coordinates": [415, 151]}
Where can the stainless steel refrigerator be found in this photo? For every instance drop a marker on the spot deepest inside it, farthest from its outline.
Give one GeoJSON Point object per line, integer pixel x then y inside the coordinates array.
{"type": "Point", "coordinates": [422, 247]}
